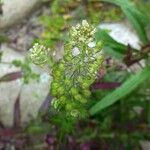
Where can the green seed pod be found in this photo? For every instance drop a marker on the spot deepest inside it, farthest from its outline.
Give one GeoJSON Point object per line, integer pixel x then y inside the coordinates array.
{"type": "Point", "coordinates": [78, 97]}
{"type": "Point", "coordinates": [53, 92]}
{"type": "Point", "coordinates": [83, 100]}
{"type": "Point", "coordinates": [79, 79]}
{"type": "Point", "coordinates": [61, 67]}
{"type": "Point", "coordinates": [74, 113]}
{"type": "Point", "coordinates": [74, 91]}
{"type": "Point", "coordinates": [61, 91]}
{"type": "Point", "coordinates": [55, 103]}
{"type": "Point", "coordinates": [57, 74]}
{"type": "Point", "coordinates": [67, 82]}
{"type": "Point", "coordinates": [63, 100]}
{"type": "Point", "coordinates": [67, 58]}
{"type": "Point", "coordinates": [86, 93]}
{"type": "Point", "coordinates": [69, 107]}
{"type": "Point", "coordinates": [85, 85]}
{"type": "Point", "coordinates": [55, 85]}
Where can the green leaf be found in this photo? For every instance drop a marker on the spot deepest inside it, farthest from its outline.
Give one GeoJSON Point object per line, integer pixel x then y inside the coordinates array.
{"type": "Point", "coordinates": [110, 46]}
{"type": "Point", "coordinates": [126, 88]}
{"type": "Point", "coordinates": [137, 24]}
{"type": "Point", "coordinates": [135, 17]}
{"type": "Point", "coordinates": [143, 7]}
{"type": "Point", "coordinates": [112, 52]}
{"type": "Point", "coordinates": [109, 42]}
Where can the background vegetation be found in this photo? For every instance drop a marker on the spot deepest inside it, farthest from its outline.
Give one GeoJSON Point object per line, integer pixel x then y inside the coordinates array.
{"type": "Point", "coordinates": [114, 120]}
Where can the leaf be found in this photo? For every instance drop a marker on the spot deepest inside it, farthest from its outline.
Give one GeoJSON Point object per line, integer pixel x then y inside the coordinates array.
{"type": "Point", "coordinates": [143, 7]}
{"type": "Point", "coordinates": [17, 113]}
{"type": "Point", "coordinates": [137, 24]}
{"type": "Point", "coordinates": [108, 40]}
{"type": "Point", "coordinates": [135, 17]}
{"type": "Point", "coordinates": [105, 85]}
{"type": "Point", "coordinates": [126, 88]}
{"type": "Point", "coordinates": [11, 76]}
{"type": "Point", "coordinates": [110, 46]}
{"type": "Point", "coordinates": [112, 52]}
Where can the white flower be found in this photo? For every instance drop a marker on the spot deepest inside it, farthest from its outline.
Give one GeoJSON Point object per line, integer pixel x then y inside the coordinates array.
{"type": "Point", "coordinates": [75, 51]}
{"type": "Point", "coordinates": [78, 26]}
{"type": "Point", "coordinates": [93, 32]}
{"type": "Point", "coordinates": [85, 23]}
{"type": "Point", "coordinates": [92, 44]}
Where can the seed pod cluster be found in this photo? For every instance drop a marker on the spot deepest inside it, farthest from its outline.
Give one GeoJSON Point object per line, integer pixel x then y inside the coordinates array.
{"type": "Point", "coordinates": [76, 71]}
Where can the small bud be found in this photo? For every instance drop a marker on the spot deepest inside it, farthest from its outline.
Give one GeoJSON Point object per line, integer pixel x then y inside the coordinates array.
{"type": "Point", "coordinates": [60, 91]}
{"type": "Point", "coordinates": [74, 91]}
{"type": "Point", "coordinates": [85, 23]}
{"type": "Point", "coordinates": [87, 93]}
{"type": "Point", "coordinates": [68, 107]}
{"type": "Point", "coordinates": [75, 113]}
{"type": "Point", "coordinates": [55, 103]}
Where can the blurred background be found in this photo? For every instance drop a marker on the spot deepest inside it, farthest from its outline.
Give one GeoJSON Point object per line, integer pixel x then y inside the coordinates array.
{"type": "Point", "coordinates": [25, 119]}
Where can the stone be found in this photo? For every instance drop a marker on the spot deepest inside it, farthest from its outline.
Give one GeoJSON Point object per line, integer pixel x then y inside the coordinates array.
{"type": "Point", "coordinates": [32, 95]}
{"type": "Point", "coordinates": [122, 33]}
{"type": "Point", "coordinates": [145, 145]}
{"type": "Point", "coordinates": [15, 10]}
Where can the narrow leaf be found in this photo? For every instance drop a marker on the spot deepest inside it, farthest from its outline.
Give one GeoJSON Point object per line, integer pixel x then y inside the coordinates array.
{"type": "Point", "coordinates": [11, 76]}
{"type": "Point", "coordinates": [135, 16]}
{"type": "Point", "coordinates": [108, 40]}
{"type": "Point", "coordinates": [17, 113]}
{"type": "Point", "coordinates": [137, 24]}
{"type": "Point", "coordinates": [126, 88]}
{"type": "Point", "coordinates": [105, 85]}
{"type": "Point", "coordinates": [110, 46]}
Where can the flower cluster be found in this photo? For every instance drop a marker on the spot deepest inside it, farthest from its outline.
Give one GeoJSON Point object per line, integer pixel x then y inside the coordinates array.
{"type": "Point", "coordinates": [76, 71]}
{"type": "Point", "coordinates": [39, 54]}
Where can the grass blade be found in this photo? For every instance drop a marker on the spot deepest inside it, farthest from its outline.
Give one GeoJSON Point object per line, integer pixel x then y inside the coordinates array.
{"type": "Point", "coordinates": [135, 16]}
{"type": "Point", "coordinates": [126, 88]}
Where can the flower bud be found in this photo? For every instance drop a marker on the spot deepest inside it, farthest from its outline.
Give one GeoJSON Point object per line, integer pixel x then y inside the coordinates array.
{"type": "Point", "coordinates": [74, 91]}
{"type": "Point", "coordinates": [74, 113]}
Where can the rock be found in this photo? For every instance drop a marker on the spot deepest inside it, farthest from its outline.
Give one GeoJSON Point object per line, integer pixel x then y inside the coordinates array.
{"type": "Point", "coordinates": [32, 95]}
{"type": "Point", "coordinates": [122, 33]}
{"type": "Point", "coordinates": [145, 145]}
{"type": "Point", "coordinates": [22, 35]}
{"type": "Point", "coordinates": [14, 10]}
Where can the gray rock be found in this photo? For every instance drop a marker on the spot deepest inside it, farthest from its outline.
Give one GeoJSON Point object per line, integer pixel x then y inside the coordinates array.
{"type": "Point", "coordinates": [14, 10]}
{"type": "Point", "coordinates": [122, 33]}
{"type": "Point", "coordinates": [145, 145]}
{"type": "Point", "coordinates": [32, 95]}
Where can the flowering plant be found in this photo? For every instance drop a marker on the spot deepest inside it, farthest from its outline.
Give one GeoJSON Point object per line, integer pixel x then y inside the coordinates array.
{"type": "Point", "coordinates": [75, 72]}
